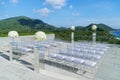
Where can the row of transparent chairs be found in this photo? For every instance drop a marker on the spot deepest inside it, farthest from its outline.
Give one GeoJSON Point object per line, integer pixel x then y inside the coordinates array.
{"type": "Point", "coordinates": [85, 55]}
{"type": "Point", "coordinates": [80, 55]}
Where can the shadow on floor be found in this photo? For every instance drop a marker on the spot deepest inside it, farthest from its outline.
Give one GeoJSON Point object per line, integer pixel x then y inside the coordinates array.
{"type": "Point", "coordinates": [17, 58]}
{"type": "Point", "coordinates": [27, 64]}
{"type": "Point", "coordinates": [4, 56]}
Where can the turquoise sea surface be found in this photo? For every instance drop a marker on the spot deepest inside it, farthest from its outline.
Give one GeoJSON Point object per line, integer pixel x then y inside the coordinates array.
{"type": "Point", "coordinates": [116, 33]}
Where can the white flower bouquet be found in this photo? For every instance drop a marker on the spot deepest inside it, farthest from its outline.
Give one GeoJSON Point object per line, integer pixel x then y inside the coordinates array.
{"type": "Point", "coordinates": [72, 28]}
{"type": "Point", "coordinates": [13, 34]}
{"type": "Point", "coordinates": [94, 27]}
{"type": "Point", "coordinates": [40, 35]}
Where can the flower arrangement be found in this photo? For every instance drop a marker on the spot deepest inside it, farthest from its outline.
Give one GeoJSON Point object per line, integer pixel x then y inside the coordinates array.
{"type": "Point", "coordinates": [94, 27]}
{"type": "Point", "coordinates": [72, 28]}
{"type": "Point", "coordinates": [40, 35]}
{"type": "Point", "coordinates": [13, 34]}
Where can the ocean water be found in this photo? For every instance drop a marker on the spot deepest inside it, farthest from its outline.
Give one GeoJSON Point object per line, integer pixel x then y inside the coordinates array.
{"type": "Point", "coordinates": [116, 33]}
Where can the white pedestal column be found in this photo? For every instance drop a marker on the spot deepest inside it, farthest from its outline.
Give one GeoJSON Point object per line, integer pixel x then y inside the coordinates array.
{"type": "Point", "coordinates": [94, 37]}
{"type": "Point", "coordinates": [72, 37]}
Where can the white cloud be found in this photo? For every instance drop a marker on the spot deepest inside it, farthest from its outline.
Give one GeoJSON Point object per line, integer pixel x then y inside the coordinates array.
{"type": "Point", "coordinates": [43, 11]}
{"type": "Point", "coordinates": [71, 6]}
{"type": "Point", "coordinates": [76, 14]}
{"type": "Point", "coordinates": [14, 1]}
{"type": "Point", "coordinates": [56, 4]}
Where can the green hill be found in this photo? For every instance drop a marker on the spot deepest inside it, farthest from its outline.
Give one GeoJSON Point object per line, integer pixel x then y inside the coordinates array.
{"type": "Point", "coordinates": [26, 24]}
{"type": "Point", "coordinates": [23, 24]}
{"type": "Point", "coordinates": [100, 27]}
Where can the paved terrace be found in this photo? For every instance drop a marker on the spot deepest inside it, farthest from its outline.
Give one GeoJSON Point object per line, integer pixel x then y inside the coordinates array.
{"type": "Point", "coordinates": [110, 68]}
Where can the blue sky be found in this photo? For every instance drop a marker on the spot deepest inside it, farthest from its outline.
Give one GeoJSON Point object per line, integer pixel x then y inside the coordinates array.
{"type": "Point", "coordinates": [64, 12]}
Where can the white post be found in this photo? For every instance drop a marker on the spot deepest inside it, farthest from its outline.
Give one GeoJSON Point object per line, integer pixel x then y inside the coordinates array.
{"type": "Point", "coordinates": [36, 60]}
{"type": "Point", "coordinates": [94, 37]}
{"type": "Point", "coordinates": [72, 37]}
{"type": "Point", "coordinates": [72, 33]}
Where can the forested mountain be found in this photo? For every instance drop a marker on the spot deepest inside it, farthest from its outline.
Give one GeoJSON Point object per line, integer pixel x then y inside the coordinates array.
{"type": "Point", "coordinates": [100, 27]}
{"type": "Point", "coordinates": [23, 24]}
